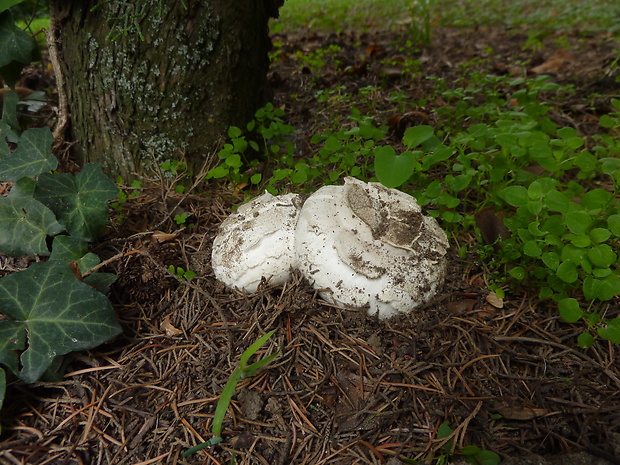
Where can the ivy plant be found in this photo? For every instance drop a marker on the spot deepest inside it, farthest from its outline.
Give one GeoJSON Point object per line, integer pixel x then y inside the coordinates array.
{"type": "Point", "coordinates": [49, 309]}
{"type": "Point", "coordinates": [17, 48]}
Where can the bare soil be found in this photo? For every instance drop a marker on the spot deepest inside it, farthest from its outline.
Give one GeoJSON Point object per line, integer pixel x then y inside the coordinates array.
{"type": "Point", "coordinates": [346, 389]}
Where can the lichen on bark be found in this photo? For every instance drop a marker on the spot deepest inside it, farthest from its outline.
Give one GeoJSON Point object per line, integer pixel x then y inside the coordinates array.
{"type": "Point", "coordinates": [169, 85]}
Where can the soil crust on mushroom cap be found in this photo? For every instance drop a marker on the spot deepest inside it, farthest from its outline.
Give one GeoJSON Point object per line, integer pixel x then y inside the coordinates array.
{"type": "Point", "coordinates": [507, 375]}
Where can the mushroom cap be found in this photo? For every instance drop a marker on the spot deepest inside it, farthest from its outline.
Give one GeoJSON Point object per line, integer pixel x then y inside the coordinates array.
{"type": "Point", "coordinates": [364, 244]}
{"type": "Point", "coordinates": [257, 241]}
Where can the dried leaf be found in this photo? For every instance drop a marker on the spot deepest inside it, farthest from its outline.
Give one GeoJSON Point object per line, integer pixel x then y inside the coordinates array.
{"type": "Point", "coordinates": [491, 225]}
{"type": "Point", "coordinates": [515, 409]}
{"type": "Point", "coordinates": [494, 300]}
{"type": "Point", "coordinates": [168, 328]}
{"type": "Point", "coordinates": [554, 64]}
{"type": "Point", "coordinates": [160, 236]}
{"type": "Point", "coordinates": [461, 306]}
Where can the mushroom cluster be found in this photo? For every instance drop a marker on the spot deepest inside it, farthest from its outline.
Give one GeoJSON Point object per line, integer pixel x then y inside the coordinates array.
{"type": "Point", "coordinates": [360, 245]}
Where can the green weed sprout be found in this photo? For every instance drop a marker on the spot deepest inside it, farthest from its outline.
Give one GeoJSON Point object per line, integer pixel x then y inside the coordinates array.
{"type": "Point", "coordinates": [244, 371]}
{"type": "Point", "coordinates": [179, 272]}
{"type": "Point", "coordinates": [472, 454]}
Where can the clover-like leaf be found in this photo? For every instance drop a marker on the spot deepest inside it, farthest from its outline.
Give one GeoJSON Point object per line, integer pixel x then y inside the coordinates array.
{"type": "Point", "coordinates": [567, 272]}
{"type": "Point", "coordinates": [57, 312]}
{"type": "Point", "coordinates": [578, 221]}
{"type": "Point", "coordinates": [31, 157]}
{"type": "Point", "coordinates": [80, 201]}
{"type": "Point", "coordinates": [393, 170]}
{"type": "Point", "coordinates": [24, 226]}
{"type": "Point", "coordinates": [570, 310]}
{"type": "Point", "coordinates": [516, 196]}
{"type": "Point", "coordinates": [416, 135]}
{"type": "Point", "coordinates": [611, 331]}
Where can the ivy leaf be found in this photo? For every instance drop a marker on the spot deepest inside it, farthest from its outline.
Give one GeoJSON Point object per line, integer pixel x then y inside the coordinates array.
{"type": "Point", "coordinates": [80, 201]}
{"type": "Point", "coordinates": [58, 314]}
{"type": "Point", "coordinates": [6, 133]}
{"type": "Point", "coordinates": [31, 157]}
{"type": "Point", "coordinates": [16, 48]}
{"type": "Point", "coordinates": [2, 390]}
{"type": "Point", "coordinates": [9, 110]}
{"type": "Point", "coordinates": [6, 4]}
{"type": "Point", "coordinates": [393, 170]}
{"type": "Point", "coordinates": [15, 44]}
{"type": "Point", "coordinates": [69, 249]}
{"type": "Point", "coordinates": [12, 340]}
{"type": "Point", "coordinates": [24, 225]}
{"type": "Point", "coordinates": [23, 188]}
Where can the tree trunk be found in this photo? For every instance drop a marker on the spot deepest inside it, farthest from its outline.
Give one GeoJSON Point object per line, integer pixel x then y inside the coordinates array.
{"type": "Point", "coordinates": [153, 80]}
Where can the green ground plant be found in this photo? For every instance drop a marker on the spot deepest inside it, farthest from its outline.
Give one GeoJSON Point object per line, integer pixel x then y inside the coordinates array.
{"type": "Point", "coordinates": [542, 17]}
{"type": "Point", "coordinates": [244, 371]}
{"type": "Point", "coordinates": [344, 152]}
{"type": "Point", "coordinates": [56, 306]}
{"type": "Point", "coordinates": [471, 454]}
{"type": "Point", "coordinates": [19, 48]}
{"type": "Point", "coordinates": [181, 273]}
{"type": "Point", "coordinates": [563, 219]}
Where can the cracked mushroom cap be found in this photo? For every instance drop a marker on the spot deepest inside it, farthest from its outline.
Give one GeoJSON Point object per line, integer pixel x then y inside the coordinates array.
{"type": "Point", "coordinates": [363, 244]}
{"type": "Point", "coordinates": [257, 241]}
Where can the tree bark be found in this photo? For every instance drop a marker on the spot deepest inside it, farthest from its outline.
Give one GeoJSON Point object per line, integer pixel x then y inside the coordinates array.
{"type": "Point", "coordinates": [153, 80]}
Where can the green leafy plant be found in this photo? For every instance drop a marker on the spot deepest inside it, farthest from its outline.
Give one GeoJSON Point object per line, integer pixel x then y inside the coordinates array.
{"type": "Point", "coordinates": [177, 171]}
{"type": "Point", "coordinates": [17, 48]}
{"type": "Point", "coordinates": [421, 21]}
{"type": "Point", "coordinates": [563, 223]}
{"type": "Point", "coordinates": [318, 59]}
{"type": "Point", "coordinates": [345, 152]}
{"type": "Point", "coordinates": [181, 273]}
{"type": "Point", "coordinates": [269, 138]}
{"type": "Point", "coordinates": [563, 235]}
{"type": "Point", "coordinates": [244, 371]}
{"type": "Point", "coordinates": [471, 454]}
{"type": "Point", "coordinates": [50, 309]}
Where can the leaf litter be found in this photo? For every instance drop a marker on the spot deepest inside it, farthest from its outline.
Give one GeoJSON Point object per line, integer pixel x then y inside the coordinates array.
{"type": "Point", "coordinates": [346, 388]}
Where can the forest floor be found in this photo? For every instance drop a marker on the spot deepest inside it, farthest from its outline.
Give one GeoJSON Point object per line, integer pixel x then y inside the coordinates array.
{"type": "Point", "coordinates": [505, 374]}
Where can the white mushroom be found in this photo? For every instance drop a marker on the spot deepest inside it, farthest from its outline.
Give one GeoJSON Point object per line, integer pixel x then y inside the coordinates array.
{"type": "Point", "coordinates": [257, 241]}
{"type": "Point", "coordinates": [364, 244]}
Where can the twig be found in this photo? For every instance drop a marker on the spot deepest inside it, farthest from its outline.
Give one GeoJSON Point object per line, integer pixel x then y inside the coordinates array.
{"type": "Point", "coordinates": [53, 40]}
{"type": "Point", "coordinates": [108, 261]}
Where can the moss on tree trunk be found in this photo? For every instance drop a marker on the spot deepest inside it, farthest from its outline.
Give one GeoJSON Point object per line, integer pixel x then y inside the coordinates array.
{"type": "Point", "coordinates": [157, 79]}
